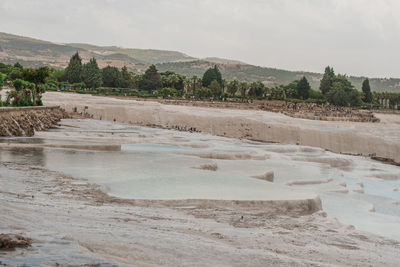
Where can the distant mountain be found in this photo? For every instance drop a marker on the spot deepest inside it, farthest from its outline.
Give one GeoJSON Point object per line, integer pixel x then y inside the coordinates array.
{"type": "Point", "coordinates": [33, 53]}
{"type": "Point", "coordinates": [140, 55]}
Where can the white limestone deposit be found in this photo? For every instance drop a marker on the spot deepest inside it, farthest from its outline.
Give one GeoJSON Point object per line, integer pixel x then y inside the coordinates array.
{"type": "Point", "coordinates": [379, 139]}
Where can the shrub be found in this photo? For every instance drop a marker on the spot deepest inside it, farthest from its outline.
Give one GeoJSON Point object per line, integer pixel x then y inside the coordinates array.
{"type": "Point", "coordinates": [21, 98]}
{"type": "Point", "coordinates": [168, 92]}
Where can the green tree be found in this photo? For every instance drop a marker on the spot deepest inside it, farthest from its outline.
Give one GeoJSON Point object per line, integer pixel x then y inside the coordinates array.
{"type": "Point", "coordinates": [303, 88]}
{"type": "Point", "coordinates": [91, 74]}
{"type": "Point", "coordinates": [127, 79]}
{"type": "Point", "coordinates": [19, 84]}
{"type": "Point", "coordinates": [327, 80]}
{"type": "Point", "coordinates": [151, 79]}
{"type": "Point", "coordinates": [215, 88]}
{"type": "Point", "coordinates": [73, 71]}
{"type": "Point", "coordinates": [243, 86]}
{"type": "Point", "coordinates": [38, 77]}
{"type": "Point", "coordinates": [2, 77]}
{"type": "Point", "coordinates": [210, 75]}
{"type": "Point", "coordinates": [256, 89]}
{"type": "Point", "coordinates": [316, 94]}
{"type": "Point", "coordinates": [367, 95]}
{"type": "Point", "coordinates": [343, 93]}
{"type": "Point", "coordinates": [194, 84]}
{"type": "Point", "coordinates": [233, 87]}
{"type": "Point", "coordinates": [16, 73]}
{"type": "Point", "coordinates": [58, 75]}
{"type": "Point", "coordinates": [111, 77]}
{"type": "Point", "coordinates": [291, 89]}
{"type": "Point", "coordinates": [18, 66]}
{"type": "Point", "coordinates": [278, 92]}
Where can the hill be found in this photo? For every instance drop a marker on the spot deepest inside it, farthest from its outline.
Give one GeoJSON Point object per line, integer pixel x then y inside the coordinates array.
{"type": "Point", "coordinates": [32, 52]}
{"type": "Point", "coordinates": [269, 76]}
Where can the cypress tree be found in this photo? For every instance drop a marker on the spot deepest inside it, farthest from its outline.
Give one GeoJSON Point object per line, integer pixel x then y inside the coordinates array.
{"type": "Point", "coordinates": [111, 77]}
{"type": "Point", "coordinates": [367, 91]}
{"type": "Point", "coordinates": [303, 88]}
{"type": "Point", "coordinates": [218, 74]}
{"type": "Point", "coordinates": [91, 74]}
{"type": "Point", "coordinates": [73, 71]}
{"type": "Point", "coordinates": [327, 80]}
{"type": "Point", "coordinates": [127, 81]}
{"type": "Point", "coordinates": [151, 79]}
{"type": "Point", "coordinates": [210, 75]}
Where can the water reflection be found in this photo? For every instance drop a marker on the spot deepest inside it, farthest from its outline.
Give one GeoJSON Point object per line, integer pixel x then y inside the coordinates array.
{"type": "Point", "coordinates": [31, 156]}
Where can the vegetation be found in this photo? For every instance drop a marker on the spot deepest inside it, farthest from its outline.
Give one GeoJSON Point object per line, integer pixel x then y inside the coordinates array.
{"type": "Point", "coordinates": [152, 79]}
{"type": "Point", "coordinates": [91, 74]}
{"type": "Point", "coordinates": [212, 74]}
{"type": "Point", "coordinates": [73, 72]}
{"type": "Point", "coordinates": [338, 90]}
{"type": "Point", "coordinates": [85, 78]}
{"type": "Point", "coordinates": [327, 81]}
{"type": "Point", "coordinates": [366, 89]}
{"type": "Point", "coordinates": [37, 53]}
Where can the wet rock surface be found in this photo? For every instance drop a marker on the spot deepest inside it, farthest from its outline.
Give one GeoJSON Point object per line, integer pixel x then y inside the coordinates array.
{"type": "Point", "coordinates": [13, 241]}
{"type": "Point", "coordinates": [76, 224]}
{"type": "Point", "coordinates": [25, 121]}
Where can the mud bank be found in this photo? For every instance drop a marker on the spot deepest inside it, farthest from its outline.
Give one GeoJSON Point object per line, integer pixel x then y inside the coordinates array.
{"type": "Point", "coordinates": [368, 139]}
{"type": "Point", "coordinates": [24, 121]}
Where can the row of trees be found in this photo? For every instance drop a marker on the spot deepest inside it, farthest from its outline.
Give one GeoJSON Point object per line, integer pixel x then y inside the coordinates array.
{"type": "Point", "coordinates": [336, 89]}
{"type": "Point", "coordinates": [93, 77]}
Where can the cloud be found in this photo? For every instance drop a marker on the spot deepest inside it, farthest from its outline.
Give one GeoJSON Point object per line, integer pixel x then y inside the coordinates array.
{"type": "Point", "coordinates": [359, 37]}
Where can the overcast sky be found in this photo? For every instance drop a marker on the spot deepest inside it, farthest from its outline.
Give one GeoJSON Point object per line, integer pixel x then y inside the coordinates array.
{"type": "Point", "coordinates": [357, 37]}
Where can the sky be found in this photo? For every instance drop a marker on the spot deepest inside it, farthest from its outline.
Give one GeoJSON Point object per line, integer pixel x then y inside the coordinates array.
{"type": "Point", "coordinates": [355, 37]}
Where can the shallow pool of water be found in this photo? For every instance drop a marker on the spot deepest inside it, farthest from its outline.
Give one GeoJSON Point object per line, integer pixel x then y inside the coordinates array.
{"type": "Point", "coordinates": [164, 164]}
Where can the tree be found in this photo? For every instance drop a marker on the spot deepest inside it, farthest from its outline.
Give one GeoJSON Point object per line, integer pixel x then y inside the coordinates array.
{"type": "Point", "coordinates": [19, 84]}
{"type": "Point", "coordinates": [256, 89]}
{"type": "Point", "coordinates": [127, 79]}
{"type": "Point", "coordinates": [291, 89]}
{"type": "Point", "coordinates": [173, 80]}
{"type": "Point", "coordinates": [194, 81]}
{"type": "Point", "coordinates": [233, 87]}
{"type": "Point", "coordinates": [73, 71]}
{"type": "Point", "coordinates": [151, 79]}
{"type": "Point", "coordinates": [91, 74]}
{"type": "Point", "coordinates": [367, 97]}
{"type": "Point", "coordinates": [18, 66]}
{"type": "Point", "coordinates": [210, 75]}
{"type": "Point", "coordinates": [327, 80]}
{"type": "Point", "coordinates": [278, 92]}
{"type": "Point", "coordinates": [2, 77]}
{"type": "Point", "coordinates": [343, 92]}
{"type": "Point", "coordinates": [215, 88]}
{"type": "Point", "coordinates": [58, 75]}
{"type": "Point", "coordinates": [243, 88]}
{"type": "Point", "coordinates": [37, 77]}
{"type": "Point", "coordinates": [16, 73]}
{"type": "Point", "coordinates": [303, 88]}
{"type": "Point", "coordinates": [111, 77]}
